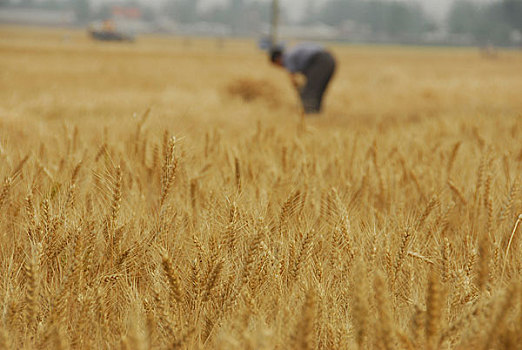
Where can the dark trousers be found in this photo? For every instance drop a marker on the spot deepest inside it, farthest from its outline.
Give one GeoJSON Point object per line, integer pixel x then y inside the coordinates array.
{"type": "Point", "coordinates": [318, 74]}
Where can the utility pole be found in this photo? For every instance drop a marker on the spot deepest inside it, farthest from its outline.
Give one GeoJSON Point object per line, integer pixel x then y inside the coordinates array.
{"type": "Point", "coordinates": [274, 23]}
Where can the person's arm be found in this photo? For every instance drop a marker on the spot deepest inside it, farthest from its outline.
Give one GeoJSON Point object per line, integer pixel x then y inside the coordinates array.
{"type": "Point", "coordinates": [291, 66]}
{"type": "Point", "coordinates": [289, 62]}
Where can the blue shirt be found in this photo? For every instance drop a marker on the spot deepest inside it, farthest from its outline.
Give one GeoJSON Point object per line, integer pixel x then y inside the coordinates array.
{"type": "Point", "coordinates": [297, 59]}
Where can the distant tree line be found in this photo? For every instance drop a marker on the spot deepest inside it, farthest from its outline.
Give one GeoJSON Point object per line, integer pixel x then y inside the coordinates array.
{"type": "Point", "coordinates": [242, 16]}
{"type": "Point", "coordinates": [496, 23]}
{"type": "Point", "coordinates": [81, 8]}
{"type": "Point", "coordinates": [393, 19]}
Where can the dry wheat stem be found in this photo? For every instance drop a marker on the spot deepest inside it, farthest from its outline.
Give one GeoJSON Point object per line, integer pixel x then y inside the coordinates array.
{"type": "Point", "coordinates": [506, 255]}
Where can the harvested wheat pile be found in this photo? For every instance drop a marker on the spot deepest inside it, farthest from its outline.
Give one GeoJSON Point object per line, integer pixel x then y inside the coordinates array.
{"type": "Point", "coordinates": [249, 90]}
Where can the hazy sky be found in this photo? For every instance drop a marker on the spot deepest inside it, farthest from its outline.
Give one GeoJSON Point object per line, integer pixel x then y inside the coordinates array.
{"type": "Point", "coordinates": [437, 8]}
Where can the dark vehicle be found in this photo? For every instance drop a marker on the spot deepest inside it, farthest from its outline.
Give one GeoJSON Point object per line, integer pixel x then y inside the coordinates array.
{"type": "Point", "coordinates": [109, 36]}
{"type": "Point", "coordinates": [108, 32]}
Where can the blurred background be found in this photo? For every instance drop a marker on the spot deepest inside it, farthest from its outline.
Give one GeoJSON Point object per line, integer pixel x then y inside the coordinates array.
{"type": "Point", "coordinates": [444, 22]}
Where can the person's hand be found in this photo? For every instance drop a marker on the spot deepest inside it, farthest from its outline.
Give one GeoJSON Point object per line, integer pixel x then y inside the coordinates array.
{"type": "Point", "coordinates": [294, 81]}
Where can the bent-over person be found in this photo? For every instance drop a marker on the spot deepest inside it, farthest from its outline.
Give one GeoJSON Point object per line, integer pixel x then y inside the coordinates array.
{"type": "Point", "coordinates": [315, 63]}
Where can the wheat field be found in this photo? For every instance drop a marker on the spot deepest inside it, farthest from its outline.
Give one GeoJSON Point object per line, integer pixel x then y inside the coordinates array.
{"type": "Point", "coordinates": [167, 194]}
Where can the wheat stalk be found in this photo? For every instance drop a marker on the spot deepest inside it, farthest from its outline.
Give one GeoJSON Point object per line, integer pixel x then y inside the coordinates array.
{"type": "Point", "coordinates": [506, 254]}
